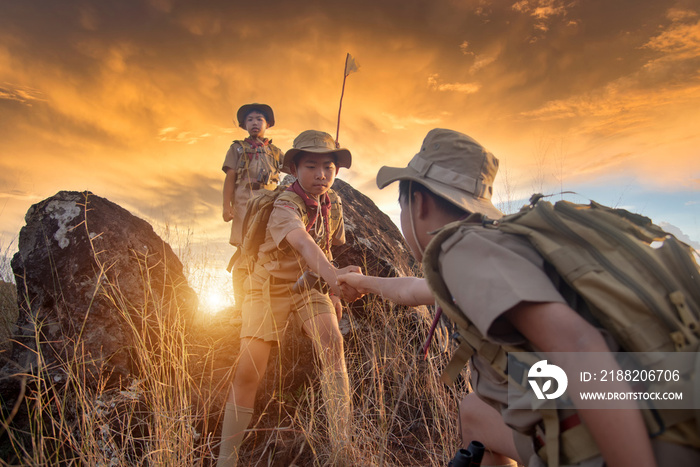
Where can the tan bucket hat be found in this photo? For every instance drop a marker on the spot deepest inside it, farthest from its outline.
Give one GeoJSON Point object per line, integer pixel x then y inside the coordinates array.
{"type": "Point", "coordinates": [453, 166]}
{"type": "Point", "coordinates": [317, 142]}
{"type": "Point", "coordinates": [264, 109]}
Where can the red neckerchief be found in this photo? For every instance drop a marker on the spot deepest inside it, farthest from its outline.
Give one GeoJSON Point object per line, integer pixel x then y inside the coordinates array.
{"type": "Point", "coordinates": [312, 209]}
{"type": "Point", "coordinates": [256, 142]}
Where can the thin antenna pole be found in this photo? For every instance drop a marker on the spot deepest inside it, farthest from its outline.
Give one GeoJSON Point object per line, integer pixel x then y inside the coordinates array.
{"type": "Point", "coordinates": [340, 107]}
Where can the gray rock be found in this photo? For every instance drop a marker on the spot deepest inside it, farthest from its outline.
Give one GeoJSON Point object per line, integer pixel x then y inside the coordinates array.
{"type": "Point", "coordinates": [88, 271]}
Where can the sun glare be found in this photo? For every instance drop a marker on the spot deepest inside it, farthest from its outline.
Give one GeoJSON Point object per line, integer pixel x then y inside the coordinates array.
{"type": "Point", "coordinates": [213, 300]}
{"type": "Point", "coordinates": [213, 286]}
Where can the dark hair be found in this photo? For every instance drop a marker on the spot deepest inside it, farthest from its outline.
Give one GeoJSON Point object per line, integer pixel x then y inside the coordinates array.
{"type": "Point", "coordinates": [442, 204]}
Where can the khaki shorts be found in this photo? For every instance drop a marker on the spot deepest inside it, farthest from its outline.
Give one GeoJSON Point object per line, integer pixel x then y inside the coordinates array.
{"type": "Point", "coordinates": [269, 302]}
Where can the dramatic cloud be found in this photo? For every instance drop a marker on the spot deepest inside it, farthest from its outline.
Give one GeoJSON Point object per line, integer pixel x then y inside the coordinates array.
{"type": "Point", "coordinates": [135, 100]}
{"type": "Point", "coordinates": [680, 42]}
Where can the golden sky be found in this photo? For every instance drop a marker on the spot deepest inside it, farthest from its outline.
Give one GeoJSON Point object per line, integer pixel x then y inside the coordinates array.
{"type": "Point", "coordinates": [134, 100]}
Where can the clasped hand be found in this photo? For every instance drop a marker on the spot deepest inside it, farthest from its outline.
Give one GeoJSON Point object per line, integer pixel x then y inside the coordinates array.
{"type": "Point", "coordinates": [348, 292]}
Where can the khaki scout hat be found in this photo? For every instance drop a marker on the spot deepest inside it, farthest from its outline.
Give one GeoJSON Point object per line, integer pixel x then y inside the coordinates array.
{"type": "Point", "coordinates": [317, 142]}
{"type": "Point", "coordinates": [453, 166]}
{"type": "Point", "coordinates": [264, 109]}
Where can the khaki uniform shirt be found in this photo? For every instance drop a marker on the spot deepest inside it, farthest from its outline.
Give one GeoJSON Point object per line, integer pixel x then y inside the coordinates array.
{"type": "Point", "coordinates": [488, 272]}
{"type": "Point", "coordinates": [262, 173]}
{"type": "Point", "coordinates": [284, 218]}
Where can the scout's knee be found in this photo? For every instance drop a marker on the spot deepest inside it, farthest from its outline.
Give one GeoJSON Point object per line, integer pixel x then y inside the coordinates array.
{"type": "Point", "coordinates": [334, 340]}
{"type": "Point", "coordinates": [330, 343]}
{"type": "Point", "coordinates": [246, 380]}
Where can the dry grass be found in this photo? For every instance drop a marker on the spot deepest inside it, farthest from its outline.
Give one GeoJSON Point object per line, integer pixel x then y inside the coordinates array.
{"type": "Point", "coordinates": [402, 414]}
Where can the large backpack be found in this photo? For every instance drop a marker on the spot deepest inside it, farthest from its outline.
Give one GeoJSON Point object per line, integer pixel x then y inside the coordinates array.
{"type": "Point", "coordinates": [646, 296]}
{"type": "Point", "coordinates": [258, 210]}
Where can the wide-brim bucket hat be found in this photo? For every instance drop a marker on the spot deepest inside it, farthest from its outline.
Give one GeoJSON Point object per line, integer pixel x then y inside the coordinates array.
{"type": "Point", "coordinates": [453, 166]}
{"type": "Point", "coordinates": [264, 109]}
{"type": "Point", "coordinates": [317, 142]}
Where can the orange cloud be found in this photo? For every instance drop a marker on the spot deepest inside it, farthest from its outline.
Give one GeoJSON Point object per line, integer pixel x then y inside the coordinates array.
{"type": "Point", "coordinates": [24, 95]}
{"type": "Point", "coordinates": [146, 92]}
{"type": "Point", "coordinates": [680, 42]}
{"type": "Point", "coordinates": [467, 88]}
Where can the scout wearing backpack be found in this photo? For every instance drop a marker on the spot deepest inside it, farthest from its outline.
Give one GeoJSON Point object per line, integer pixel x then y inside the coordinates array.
{"type": "Point", "coordinates": [503, 295]}
{"type": "Point", "coordinates": [251, 165]}
{"type": "Point", "coordinates": [297, 225]}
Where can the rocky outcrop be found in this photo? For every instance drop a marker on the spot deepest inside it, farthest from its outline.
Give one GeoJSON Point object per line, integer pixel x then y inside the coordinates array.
{"type": "Point", "coordinates": [92, 278]}
{"type": "Point", "coordinates": [372, 239]}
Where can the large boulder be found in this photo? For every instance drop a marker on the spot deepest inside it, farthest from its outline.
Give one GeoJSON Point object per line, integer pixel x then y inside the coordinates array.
{"type": "Point", "coordinates": [372, 239]}
{"type": "Point", "coordinates": [95, 283]}
{"type": "Point", "coordinates": [91, 279]}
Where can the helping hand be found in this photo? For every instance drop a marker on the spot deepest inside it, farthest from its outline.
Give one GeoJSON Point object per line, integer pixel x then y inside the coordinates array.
{"type": "Point", "coordinates": [353, 280]}
{"type": "Point", "coordinates": [348, 291]}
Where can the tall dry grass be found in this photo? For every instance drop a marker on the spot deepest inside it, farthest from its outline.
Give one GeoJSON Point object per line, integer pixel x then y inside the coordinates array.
{"type": "Point", "coordinates": [167, 413]}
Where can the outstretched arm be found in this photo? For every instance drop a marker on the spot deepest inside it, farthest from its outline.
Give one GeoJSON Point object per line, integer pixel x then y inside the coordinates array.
{"type": "Point", "coordinates": [302, 242]}
{"type": "Point", "coordinates": [412, 291]}
{"type": "Point", "coordinates": [621, 434]}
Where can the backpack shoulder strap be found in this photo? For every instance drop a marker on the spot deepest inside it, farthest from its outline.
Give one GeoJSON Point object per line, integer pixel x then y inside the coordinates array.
{"type": "Point", "coordinates": [471, 341]}
{"type": "Point", "coordinates": [431, 269]}
{"type": "Point", "coordinates": [336, 213]}
{"type": "Point", "coordinates": [278, 156]}
{"type": "Point", "coordinates": [241, 147]}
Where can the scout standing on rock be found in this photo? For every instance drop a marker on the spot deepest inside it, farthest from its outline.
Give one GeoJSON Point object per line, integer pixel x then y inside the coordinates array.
{"type": "Point", "coordinates": [305, 221]}
{"type": "Point", "coordinates": [251, 164]}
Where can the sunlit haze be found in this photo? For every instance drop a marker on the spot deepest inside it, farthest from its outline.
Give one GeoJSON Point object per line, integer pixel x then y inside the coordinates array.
{"type": "Point", "coordinates": [135, 100]}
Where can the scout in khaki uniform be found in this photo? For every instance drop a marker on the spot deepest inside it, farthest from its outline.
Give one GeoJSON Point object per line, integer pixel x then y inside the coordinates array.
{"type": "Point", "coordinates": [250, 165]}
{"type": "Point", "coordinates": [500, 284]}
{"type": "Point", "coordinates": [306, 220]}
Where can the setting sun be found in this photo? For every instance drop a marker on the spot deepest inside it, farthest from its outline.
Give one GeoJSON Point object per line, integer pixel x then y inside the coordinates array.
{"type": "Point", "coordinates": [213, 300]}
{"type": "Point", "coordinates": [213, 287]}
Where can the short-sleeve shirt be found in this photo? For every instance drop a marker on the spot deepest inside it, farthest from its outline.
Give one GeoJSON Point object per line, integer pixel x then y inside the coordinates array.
{"type": "Point", "coordinates": [262, 173]}
{"type": "Point", "coordinates": [488, 272]}
{"type": "Point", "coordinates": [286, 216]}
